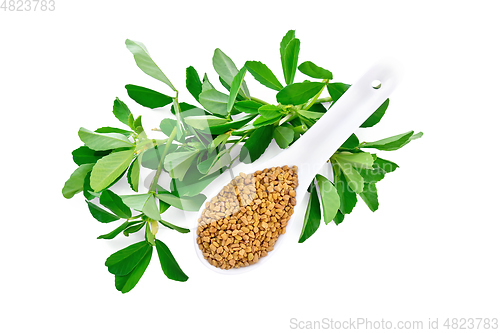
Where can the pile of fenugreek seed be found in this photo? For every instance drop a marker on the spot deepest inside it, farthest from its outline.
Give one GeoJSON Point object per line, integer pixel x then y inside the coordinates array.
{"type": "Point", "coordinates": [242, 223]}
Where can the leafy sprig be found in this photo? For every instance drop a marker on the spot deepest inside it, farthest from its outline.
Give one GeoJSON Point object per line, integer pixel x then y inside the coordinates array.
{"type": "Point", "coordinates": [197, 148]}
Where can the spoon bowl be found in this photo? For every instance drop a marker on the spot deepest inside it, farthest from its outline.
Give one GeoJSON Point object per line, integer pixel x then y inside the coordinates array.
{"type": "Point", "coordinates": [311, 151]}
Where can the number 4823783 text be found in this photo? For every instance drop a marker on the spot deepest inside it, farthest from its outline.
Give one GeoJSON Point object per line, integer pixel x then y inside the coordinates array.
{"type": "Point", "coordinates": [28, 5]}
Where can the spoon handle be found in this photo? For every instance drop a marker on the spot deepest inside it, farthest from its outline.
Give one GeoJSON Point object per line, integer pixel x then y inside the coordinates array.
{"type": "Point", "coordinates": [316, 146]}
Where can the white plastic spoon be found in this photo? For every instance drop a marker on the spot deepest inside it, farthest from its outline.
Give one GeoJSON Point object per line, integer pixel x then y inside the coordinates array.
{"type": "Point", "coordinates": [314, 148]}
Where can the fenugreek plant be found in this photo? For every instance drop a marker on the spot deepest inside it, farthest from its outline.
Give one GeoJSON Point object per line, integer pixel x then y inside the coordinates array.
{"type": "Point", "coordinates": [197, 149]}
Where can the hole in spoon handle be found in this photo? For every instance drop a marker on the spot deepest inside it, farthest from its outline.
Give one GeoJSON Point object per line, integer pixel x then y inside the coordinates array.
{"type": "Point", "coordinates": [315, 147]}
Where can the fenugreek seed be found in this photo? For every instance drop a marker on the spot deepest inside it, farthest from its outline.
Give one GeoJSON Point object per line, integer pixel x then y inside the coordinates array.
{"type": "Point", "coordinates": [243, 222]}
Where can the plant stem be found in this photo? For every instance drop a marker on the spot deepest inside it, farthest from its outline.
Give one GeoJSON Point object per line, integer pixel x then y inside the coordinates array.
{"type": "Point", "coordinates": [160, 165]}
{"type": "Point", "coordinates": [315, 98]}
{"type": "Point", "coordinates": [323, 100]}
{"type": "Point", "coordinates": [234, 144]}
{"type": "Point", "coordinates": [178, 114]}
{"type": "Point", "coordinates": [255, 99]}
{"type": "Point", "coordinates": [232, 161]}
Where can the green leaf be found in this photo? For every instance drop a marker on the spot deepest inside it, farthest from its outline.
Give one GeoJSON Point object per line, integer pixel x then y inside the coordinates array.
{"type": "Point", "coordinates": [174, 227]}
{"type": "Point", "coordinates": [290, 35]}
{"type": "Point", "coordinates": [330, 200]}
{"type": "Point", "coordinates": [138, 125]}
{"type": "Point", "coordinates": [354, 179]}
{"type": "Point", "coordinates": [204, 122]}
{"type": "Point", "coordinates": [263, 121]}
{"type": "Point", "coordinates": [167, 125]}
{"type": "Point", "coordinates": [235, 88]}
{"type": "Point", "coordinates": [348, 198]}
{"type": "Point", "coordinates": [85, 155]}
{"type": "Point", "coordinates": [270, 111]}
{"type": "Point", "coordinates": [359, 160]}
{"type": "Point", "coordinates": [100, 214]}
{"type": "Point", "coordinates": [339, 218]}
{"type": "Point", "coordinates": [310, 69]}
{"type": "Point", "coordinates": [283, 136]}
{"type": "Point", "coordinates": [190, 204]}
{"type": "Point", "coordinates": [145, 63]}
{"type": "Point", "coordinates": [284, 42]}
{"type": "Point", "coordinates": [377, 115]}
{"type": "Point", "coordinates": [385, 165]}
{"type": "Point", "coordinates": [371, 175]}
{"type": "Point", "coordinates": [224, 84]}
{"type": "Point", "coordinates": [369, 196]}
{"type": "Point", "coordinates": [75, 182]}
{"type": "Point", "coordinates": [150, 238]}
{"type": "Point", "coordinates": [390, 143]}
{"type": "Point", "coordinates": [88, 192]}
{"type": "Point", "coordinates": [227, 70]}
{"type": "Point", "coordinates": [247, 106]}
{"type": "Point", "coordinates": [129, 281]}
{"type": "Point", "coordinates": [193, 186]}
{"type": "Point", "coordinates": [150, 208]}
{"type": "Point", "coordinates": [131, 122]}
{"type": "Point", "coordinates": [135, 201]}
{"type": "Point", "coordinates": [151, 157]}
{"type": "Point", "coordinates": [188, 110]}
{"type": "Point", "coordinates": [256, 144]}
{"type": "Point", "coordinates": [214, 101]}
{"type": "Point", "coordinates": [178, 163]}
{"type": "Point", "coordinates": [103, 141]}
{"type": "Point", "coordinates": [119, 229]}
{"type": "Point", "coordinates": [299, 93]}
{"type": "Point", "coordinates": [413, 137]}
{"type": "Point", "coordinates": [206, 85]}
{"type": "Point", "coordinates": [121, 111]}
{"type": "Point", "coordinates": [351, 143]}
{"type": "Point", "coordinates": [115, 204]}
{"type": "Point", "coordinates": [219, 140]}
{"type": "Point", "coordinates": [263, 74]}
{"type": "Point", "coordinates": [310, 114]}
{"type": "Point", "coordinates": [232, 125]}
{"type": "Point", "coordinates": [109, 168]}
{"type": "Point", "coordinates": [318, 107]}
{"type": "Point", "coordinates": [193, 83]}
{"type": "Point", "coordinates": [108, 129]}
{"type": "Point", "coordinates": [168, 263]}
{"type": "Point", "coordinates": [124, 261]}
{"type": "Point", "coordinates": [147, 97]}
{"type": "Point", "coordinates": [134, 228]}
{"type": "Point", "coordinates": [312, 217]}
{"type": "Point", "coordinates": [291, 59]}
{"type": "Point", "coordinates": [163, 207]}
{"type": "Point", "coordinates": [336, 90]}
{"type": "Point", "coordinates": [214, 162]}
{"type": "Point", "coordinates": [259, 122]}
{"type": "Point", "coordinates": [133, 175]}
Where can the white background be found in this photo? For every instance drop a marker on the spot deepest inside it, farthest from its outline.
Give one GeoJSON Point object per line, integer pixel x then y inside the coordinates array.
{"type": "Point", "coordinates": [430, 251]}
